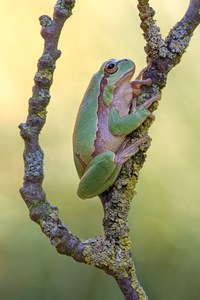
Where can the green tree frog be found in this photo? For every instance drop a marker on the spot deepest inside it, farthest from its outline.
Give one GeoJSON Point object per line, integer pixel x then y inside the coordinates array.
{"type": "Point", "coordinates": [107, 114]}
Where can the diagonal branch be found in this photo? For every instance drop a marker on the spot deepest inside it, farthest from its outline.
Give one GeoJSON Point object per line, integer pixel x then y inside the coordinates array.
{"type": "Point", "coordinates": [111, 253]}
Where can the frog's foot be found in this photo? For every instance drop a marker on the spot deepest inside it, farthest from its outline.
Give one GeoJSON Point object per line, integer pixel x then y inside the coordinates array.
{"type": "Point", "coordinates": [136, 92]}
{"type": "Point", "coordinates": [150, 101]}
{"type": "Point", "coordinates": [152, 117]}
{"type": "Point", "coordinates": [125, 152]}
{"type": "Point", "coordinates": [140, 75]}
{"type": "Point", "coordinates": [138, 82]}
{"type": "Point", "coordinates": [141, 82]}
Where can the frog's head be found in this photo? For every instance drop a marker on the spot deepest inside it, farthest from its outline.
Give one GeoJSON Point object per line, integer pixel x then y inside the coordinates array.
{"type": "Point", "coordinates": [118, 71]}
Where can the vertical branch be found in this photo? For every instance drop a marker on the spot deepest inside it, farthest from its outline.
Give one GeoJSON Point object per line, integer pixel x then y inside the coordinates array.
{"type": "Point", "coordinates": [32, 192]}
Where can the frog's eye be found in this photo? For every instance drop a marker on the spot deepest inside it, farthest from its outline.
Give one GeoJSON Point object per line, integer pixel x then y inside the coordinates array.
{"type": "Point", "coordinates": [110, 68]}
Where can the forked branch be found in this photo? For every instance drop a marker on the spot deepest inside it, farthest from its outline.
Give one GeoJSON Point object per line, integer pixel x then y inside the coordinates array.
{"type": "Point", "coordinates": [112, 252]}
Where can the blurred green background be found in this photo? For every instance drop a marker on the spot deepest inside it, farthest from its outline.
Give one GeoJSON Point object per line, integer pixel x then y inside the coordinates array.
{"type": "Point", "coordinates": [165, 214]}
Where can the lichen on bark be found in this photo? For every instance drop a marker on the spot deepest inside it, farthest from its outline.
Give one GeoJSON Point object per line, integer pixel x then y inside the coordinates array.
{"type": "Point", "coordinates": [111, 252]}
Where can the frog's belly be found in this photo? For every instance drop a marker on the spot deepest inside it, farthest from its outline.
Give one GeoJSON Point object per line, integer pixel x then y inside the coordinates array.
{"type": "Point", "coordinates": [105, 141]}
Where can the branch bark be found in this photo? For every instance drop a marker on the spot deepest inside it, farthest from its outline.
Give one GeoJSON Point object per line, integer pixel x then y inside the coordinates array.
{"type": "Point", "coordinates": [111, 253]}
{"type": "Point", "coordinates": [32, 192]}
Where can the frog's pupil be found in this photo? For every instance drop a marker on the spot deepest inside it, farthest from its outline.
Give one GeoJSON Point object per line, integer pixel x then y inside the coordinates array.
{"type": "Point", "coordinates": [111, 66]}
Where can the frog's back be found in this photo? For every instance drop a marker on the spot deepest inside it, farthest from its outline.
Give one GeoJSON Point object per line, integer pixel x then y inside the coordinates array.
{"type": "Point", "coordinates": [86, 126]}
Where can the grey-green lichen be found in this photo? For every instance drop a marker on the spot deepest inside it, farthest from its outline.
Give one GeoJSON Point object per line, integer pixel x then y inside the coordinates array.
{"type": "Point", "coordinates": [175, 43]}
{"type": "Point", "coordinates": [34, 164]}
{"type": "Point", "coordinates": [155, 39]}
{"type": "Point", "coordinates": [114, 259]}
{"type": "Point", "coordinates": [44, 75]}
{"type": "Point", "coordinates": [65, 6]}
{"type": "Point", "coordinates": [45, 21]}
{"type": "Point", "coordinates": [45, 224]}
{"type": "Point", "coordinates": [180, 40]}
{"type": "Point", "coordinates": [108, 256]}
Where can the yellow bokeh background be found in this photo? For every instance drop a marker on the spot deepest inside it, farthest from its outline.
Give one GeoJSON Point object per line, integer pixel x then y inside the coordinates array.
{"type": "Point", "coordinates": [165, 214]}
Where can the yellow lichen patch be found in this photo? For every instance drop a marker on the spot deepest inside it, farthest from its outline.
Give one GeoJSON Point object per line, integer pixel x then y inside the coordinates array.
{"type": "Point", "coordinates": [126, 242]}
{"type": "Point", "coordinates": [45, 74]}
{"type": "Point", "coordinates": [129, 192]}
{"type": "Point", "coordinates": [42, 114]}
{"type": "Point", "coordinates": [137, 287]}
{"type": "Point", "coordinates": [108, 256]}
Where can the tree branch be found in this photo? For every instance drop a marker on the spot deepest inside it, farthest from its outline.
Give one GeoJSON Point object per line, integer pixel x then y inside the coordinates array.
{"type": "Point", "coordinates": [32, 192]}
{"type": "Point", "coordinates": [111, 253]}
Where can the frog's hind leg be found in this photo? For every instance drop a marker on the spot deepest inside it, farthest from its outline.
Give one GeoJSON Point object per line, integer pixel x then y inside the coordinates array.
{"type": "Point", "coordinates": [125, 152]}
{"type": "Point", "coordinates": [104, 168]}
{"type": "Point", "coordinates": [100, 173]}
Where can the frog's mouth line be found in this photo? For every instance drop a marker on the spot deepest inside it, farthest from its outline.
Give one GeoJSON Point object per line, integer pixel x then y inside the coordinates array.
{"type": "Point", "coordinates": [128, 74]}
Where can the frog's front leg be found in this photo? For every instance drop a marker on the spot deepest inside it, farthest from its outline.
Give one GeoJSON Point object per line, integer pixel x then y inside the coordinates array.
{"type": "Point", "coordinates": [126, 124]}
{"type": "Point", "coordinates": [137, 83]}
{"type": "Point", "coordinates": [147, 104]}
{"type": "Point", "coordinates": [104, 168]}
